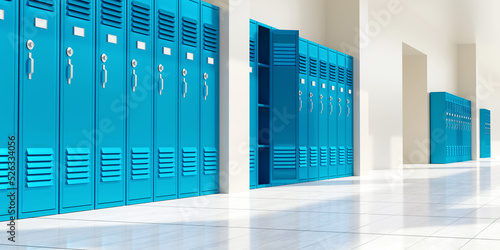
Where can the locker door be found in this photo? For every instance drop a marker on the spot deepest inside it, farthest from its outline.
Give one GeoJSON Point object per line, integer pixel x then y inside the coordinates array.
{"type": "Point", "coordinates": [77, 106]}
{"type": "Point", "coordinates": [39, 98]}
{"type": "Point", "coordinates": [313, 109]}
{"type": "Point", "coordinates": [8, 100]}
{"type": "Point", "coordinates": [332, 115]}
{"type": "Point", "coordinates": [284, 70]}
{"type": "Point", "coordinates": [190, 93]}
{"type": "Point", "coordinates": [110, 103]}
{"type": "Point", "coordinates": [349, 121]}
{"type": "Point", "coordinates": [342, 114]}
{"type": "Point", "coordinates": [303, 110]}
{"type": "Point", "coordinates": [254, 95]}
{"type": "Point", "coordinates": [166, 100]}
{"type": "Point", "coordinates": [323, 113]}
{"type": "Point", "coordinates": [140, 102]}
{"type": "Point", "coordinates": [209, 174]}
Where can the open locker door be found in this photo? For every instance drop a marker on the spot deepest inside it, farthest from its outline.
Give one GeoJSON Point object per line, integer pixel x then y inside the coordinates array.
{"type": "Point", "coordinates": [284, 76]}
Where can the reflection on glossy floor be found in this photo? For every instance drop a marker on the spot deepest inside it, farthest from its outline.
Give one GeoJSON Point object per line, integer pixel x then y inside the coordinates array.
{"type": "Point", "coordinates": [454, 206]}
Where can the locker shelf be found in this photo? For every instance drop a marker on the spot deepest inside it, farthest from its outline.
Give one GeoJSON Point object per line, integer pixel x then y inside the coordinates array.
{"type": "Point", "coordinates": [263, 105]}
{"type": "Point", "coordinates": [263, 146]}
{"type": "Point", "coordinates": [263, 65]}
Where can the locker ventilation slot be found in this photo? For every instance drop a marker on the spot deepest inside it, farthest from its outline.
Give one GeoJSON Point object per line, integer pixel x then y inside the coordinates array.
{"type": "Point", "coordinates": [349, 77]}
{"type": "Point", "coordinates": [77, 166]}
{"type": "Point", "coordinates": [313, 156]}
{"type": "Point", "coordinates": [341, 155]}
{"type": "Point", "coordinates": [210, 38]}
{"type": "Point", "coordinates": [166, 162]}
{"type": "Point", "coordinates": [166, 25]}
{"type": "Point", "coordinates": [4, 168]}
{"type": "Point", "coordinates": [189, 32]}
{"type": "Point", "coordinates": [333, 72]}
{"type": "Point", "coordinates": [284, 54]}
{"type": "Point", "coordinates": [141, 20]}
{"type": "Point", "coordinates": [42, 4]}
{"type": "Point", "coordinates": [333, 156]}
{"type": "Point", "coordinates": [252, 51]}
{"type": "Point", "coordinates": [111, 13]}
{"type": "Point", "coordinates": [350, 156]}
{"type": "Point", "coordinates": [341, 74]}
{"type": "Point", "coordinates": [111, 164]}
{"type": "Point", "coordinates": [313, 67]}
{"type": "Point", "coordinates": [39, 167]}
{"type": "Point", "coordinates": [189, 161]}
{"type": "Point", "coordinates": [209, 160]}
{"type": "Point", "coordinates": [252, 159]}
{"type": "Point", "coordinates": [79, 9]}
{"type": "Point", "coordinates": [323, 156]}
{"type": "Point", "coordinates": [303, 157]}
{"type": "Point", "coordinates": [284, 157]}
{"type": "Point", "coordinates": [141, 163]}
{"type": "Point", "coordinates": [302, 64]}
{"type": "Point", "coordinates": [323, 70]}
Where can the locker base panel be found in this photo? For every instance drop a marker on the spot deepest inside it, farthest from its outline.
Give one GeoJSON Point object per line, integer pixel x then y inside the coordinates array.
{"type": "Point", "coordinates": [210, 192]}
{"type": "Point", "coordinates": [36, 214]}
{"type": "Point", "coordinates": [189, 195]}
{"type": "Point", "coordinates": [165, 198]}
{"type": "Point", "coordinates": [110, 204]}
{"type": "Point", "coordinates": [76, 209]}
{"type": "Point", "coordinates": [139, 201]}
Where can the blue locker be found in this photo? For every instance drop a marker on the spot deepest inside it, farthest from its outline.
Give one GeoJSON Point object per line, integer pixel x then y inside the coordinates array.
{"type": "Point", "coordinates": [349, 118]}
{"type": "Point", "coordinates": [323, 113]}
{"type": "Point", "coordinates": [110, 103]}
{"type": "Point", "coordinates": [303, 111]}
{"type": "Point", "coordinates": [38, 110]}
{"type": "Point", "coordinates": [284, 56]}
{"type": "Point", "coordinates": [313, 107]}
{"type": "Point", "coordinates": [190, 95]}
{"type": "Point", "coordinates": [254, 97]}
{"type": "Point", "coordinates": [342, 115]}
{"type": "Point", "coordinates": [332, 115]}
{"type": "Point", "coordinates": [8, 100]}
{"type": "Point", "coordinates": [485, 133]}
{"type": "Point", "coordinates": [139, 102]}
{"type": "Point", "coordinates": [77, 106]}
{"type": "Point", "coordinates": [209, 133]}
{"type": "Point", "coordinates": [166, 100]}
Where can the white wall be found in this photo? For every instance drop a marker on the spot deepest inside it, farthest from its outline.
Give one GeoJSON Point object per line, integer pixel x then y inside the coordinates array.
{"type": "Point", "coordinates": [306, 16]}
{"type": "Point", "coordinates": [415, 110]}
{"type": "Point", "coordinates": [384, 26]}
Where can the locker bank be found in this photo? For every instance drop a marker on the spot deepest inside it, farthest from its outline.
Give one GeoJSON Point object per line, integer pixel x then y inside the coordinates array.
{"type": "Point", "coordinates": [248, 124]}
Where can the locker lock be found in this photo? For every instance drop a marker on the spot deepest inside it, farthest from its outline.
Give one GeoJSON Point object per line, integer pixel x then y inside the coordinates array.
{"type": "Point", "coordinates": [104, 58]}
{"type": "Point", "coordinates": [331, 98]}
{"type": "Point", "coordinates": [300, 92]}
{"type": "Point", "coordinates": [205, 76]}
{"type": "Point", "coordinates": [30, 44]}
{"type": "Point", "coordinates": [160, 68]}
{"type": "Point", "coordinates": [310, 94]}
{"type": "Point", "coordinates": [348, 101]}
{"type": "Point", "coordinates": [69, 51]}
{"type": "Point", "coordinates": [320, 96]}
{"type": "Point", "coordinates": [134, 63]}
{"type": "Point", "coordinates": [340, 100]}
{"type": "Point", "coordinates": [184, 72]}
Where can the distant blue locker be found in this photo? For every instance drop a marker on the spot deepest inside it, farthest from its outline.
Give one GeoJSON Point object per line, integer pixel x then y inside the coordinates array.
{"type": "Point", "coordinates": [166, 99]}
{"type": "Point", "coordinates": [209, 111]}
{"type": "Point", "coordinates": [333, 112]}
{"type": "Point", "coordinates": [110, 103]}
{"type": "Point", "coordinates": [349, 118]}
{"type": "Point", "coordinates": [342, 115]}
{"type": "Point", "coordinates": [284, 56]}
{"type": "Point", "coordinates": [254, 92]}
{"type": "Point", "coordinates": [313, 107]}
{"type": "Point", "coordinates": [303, 111]}
{"type": "Point", "coordinates": [485, 133]}
{"type": "Point", "coordinates": [323, 113]}
{"type": "Point", "coordinates": [8, 100]}
{"type": "Point", "coordinates": [190, 95]}
{"type": "Point", "coordinates": [77, 106]}
{"type": "Point", "coordinates": [139, 102]}
{"type": "Point", "coordinates": [38, 111]}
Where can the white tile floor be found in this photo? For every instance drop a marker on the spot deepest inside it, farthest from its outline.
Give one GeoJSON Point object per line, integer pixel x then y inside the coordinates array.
{"type": "Point", "coordinates": [454, 206]}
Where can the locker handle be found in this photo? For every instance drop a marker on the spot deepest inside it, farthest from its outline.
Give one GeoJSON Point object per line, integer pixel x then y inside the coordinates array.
{"type": "Point", "coordinates": [206, 90]}
{"type": "Point", "coordinates": [340, 109]}
{"type": "Point", "coordinates": [105, 76]}
{"type": "Point", "coordinates": [331, 106]}
{"type": "Point", "coordinates": [161, 81]}
{"type": "Point", "coordinates": [348, 110]}
{"type": "Point", "coordinates": [185, 88]}
{"type": "Point", "coordinates": [300, 99]}
{"type": "Point", "coordinates": [135, 80]}
{"type": "Point", "coordinates": [32, 61]}
{"type": "Point", "coordinates": [71, 71]}
{"type": "Point", "coordinates": [321, 111]}
{"type": "Point", "coordinates": [312, 105]}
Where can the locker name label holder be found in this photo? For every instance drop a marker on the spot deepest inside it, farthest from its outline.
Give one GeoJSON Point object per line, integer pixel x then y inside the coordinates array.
{"type": "Point", "coordinates": [210, 60]}
{"type": "Point", "coordinates": [189, 56]}
{"type": "Point", "coordinates": [112, 39]}
{"type": "Point", "coordinates": [167, 51]}
{"type": "Point", "coordinates": [141, 45]}
{"type": "Point", "coordinates": [40, 23]}
{"type": "Point", "coordinates": [2, 14]}
{"type": "Point", "coordinates": [77, 31]}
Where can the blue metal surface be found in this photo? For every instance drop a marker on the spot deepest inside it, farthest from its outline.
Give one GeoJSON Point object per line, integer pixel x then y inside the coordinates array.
{"type": "Point", "coordinates": [332, 115]}
{"type": "Point", "coordinates": [313, 109]}
{"type": "Point", "coordinates": [110, 86]}
{"type": "Point", "coordinates": [303, 111]}
{"type": "Point", "coordinates": [254, 109]}
{"type": "Point", "coordinates": [323, 107]}
{"type": "Point", "coordinates": [76, 153]}
{"type": "Point", "coordinates": [342, 115]}
{"type": "Point", "coordinates": [349, 118]}
{"type": "Point", "coordinates": [485, 133]}
{"type": "Point", "coordinates": [38, 111]}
